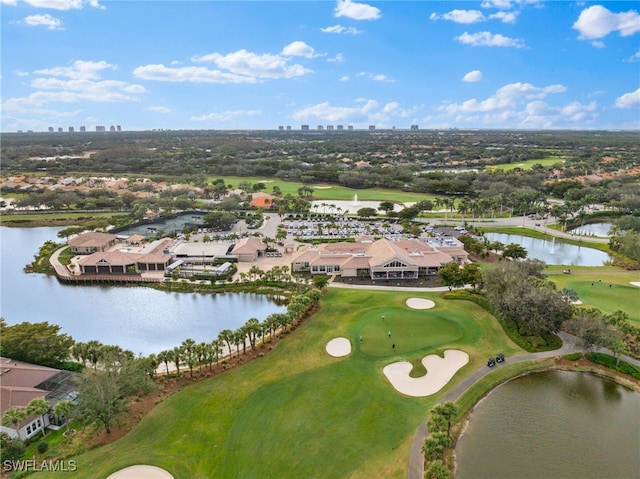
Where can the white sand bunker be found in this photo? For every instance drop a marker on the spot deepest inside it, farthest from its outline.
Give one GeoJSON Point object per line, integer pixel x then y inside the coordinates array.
{"type": "Point", "coordinates": [635, 283]}
{"type": "Point", "coordinates": [439, 373]}
{"type": "Point", "coordinates": [419, 303]}
{"type": "Point", "coordinates": [338, 347]}
{"type": "Point", "coordinates": [141, 472]}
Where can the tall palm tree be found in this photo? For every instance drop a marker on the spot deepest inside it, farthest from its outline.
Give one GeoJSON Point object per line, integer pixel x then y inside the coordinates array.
{"type": "Point", "coordinates": [13, 417]}
{"type": "Point", "coordinates": [188, 347]}
{"type": "Point", "coordinates": [38, 407]}
{"type": "Point", "coordinates": [226, 337]}
{"type": "Point", "coordinates": [252, 327]}
{"type": "Point", "coordinates": [176, 357]}
{"type": "Point", "coordinates": [164, 357]}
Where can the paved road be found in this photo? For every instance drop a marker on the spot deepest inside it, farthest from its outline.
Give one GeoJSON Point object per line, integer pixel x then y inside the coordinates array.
{"type": "Point", "coordinates": [416, 459]}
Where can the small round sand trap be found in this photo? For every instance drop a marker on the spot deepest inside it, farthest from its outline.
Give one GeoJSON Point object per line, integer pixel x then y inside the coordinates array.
{"type": "Point", "coordinates": [141, 472]}
{"type": "Point", "coordinates": [439, 373]}
{"type": "Point", "coordinates": [635, 283]}
{"type": "Point", "coordinates": [576, 302]}
{"type": "Point", "coordinates": [338, 347]}
{"type": "Point", "coordinates": [419, 303]}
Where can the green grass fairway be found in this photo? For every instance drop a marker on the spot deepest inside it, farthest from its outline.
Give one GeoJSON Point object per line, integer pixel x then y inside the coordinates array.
{"type": "Point", "coordinates": [330, 192]}
{"type": "Point", "coordinates": [622, 295]}
{"type": "Point", "coordinates": [300, 413]}
{"type": "Point", "coordinates": [527, 165]}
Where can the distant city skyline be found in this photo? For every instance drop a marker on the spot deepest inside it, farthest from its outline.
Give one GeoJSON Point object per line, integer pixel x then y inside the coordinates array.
{"type": "Point", "coordinates": [162, 65]}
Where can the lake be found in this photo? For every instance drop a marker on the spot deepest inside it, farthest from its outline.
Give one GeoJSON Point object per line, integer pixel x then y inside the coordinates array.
{"type": "Point", "coordinates": [553, 251]}
{"type": "Point", "coordinates": [556, 424]}
{"type": "Point", "coordinates": [140, 319]}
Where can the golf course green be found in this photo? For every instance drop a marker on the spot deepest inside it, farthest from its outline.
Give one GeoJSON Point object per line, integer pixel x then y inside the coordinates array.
{"type": "Point", "coordinates": [299, 412]}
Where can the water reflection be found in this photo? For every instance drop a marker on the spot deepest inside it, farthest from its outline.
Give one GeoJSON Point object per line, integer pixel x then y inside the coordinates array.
{"type": "Point", "coordinates": [555, 424]}
{"type": "Point", "coordinates": [553, 251]}
{"type": "Point", "coordinates": [141, 319]}
{"type": "Point", "coordinates": [593, 229]}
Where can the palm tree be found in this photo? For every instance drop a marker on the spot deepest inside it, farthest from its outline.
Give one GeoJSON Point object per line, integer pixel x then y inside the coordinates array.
{"type": "Point", "coordinates": [38, 407]}
{"type": "Point", "coordinates": [13, 417]}
{"type": "Point", "coordinates": [226, 336]}
{"type": "Point", "coordinates": [165, 357]}
{"type": "Point", "coordinates": [188, 347]}
{"type": "Point", "coordinates": [63, 409]}
{"type": "Point", "coordinates": [252, 327]}
{"type": "Point", "coordinates": [95, 350]}
{"type": "Point", "coordinates": [176, 356]}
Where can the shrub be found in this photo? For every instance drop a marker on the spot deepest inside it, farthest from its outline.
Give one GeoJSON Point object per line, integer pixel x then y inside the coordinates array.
{"type": "Point", "coordinates": [43, 446]}
{"type": "Point", "coordinates": [573, 356]}
{"type": "Point", "coordinates": [610, 362]}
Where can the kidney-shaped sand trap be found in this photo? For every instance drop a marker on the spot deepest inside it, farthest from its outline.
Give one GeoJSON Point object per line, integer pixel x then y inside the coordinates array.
{"type": "Point", "coordinates": [338, 347]}
{"type": "Point", "coordinates": [439, 373]}
{"type": "Point", "coordinates": [420, 303]}
{"type": "Point", "coordinates": [635, 283]}
{"type": "Point", "coordinates": [141, 472]}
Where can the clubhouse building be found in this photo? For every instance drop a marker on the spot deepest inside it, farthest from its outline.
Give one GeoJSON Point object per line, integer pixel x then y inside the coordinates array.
{"type": "Point", "coordinates": [378, 260]}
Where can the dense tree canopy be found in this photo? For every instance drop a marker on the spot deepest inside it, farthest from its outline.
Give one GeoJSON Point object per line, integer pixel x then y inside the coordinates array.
{"type": "Point", "coordinates": [38, 343]}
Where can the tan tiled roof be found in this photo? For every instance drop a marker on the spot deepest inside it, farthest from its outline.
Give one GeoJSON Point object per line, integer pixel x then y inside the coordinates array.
{"type": "Point", "coordinates": [248, 246]}
{"type": "Point", "coordinates": [18, 381]}
{"type": "Point", "coordinates": [92, 239]}
{"type": "Point", "coordinates": [113, 258]}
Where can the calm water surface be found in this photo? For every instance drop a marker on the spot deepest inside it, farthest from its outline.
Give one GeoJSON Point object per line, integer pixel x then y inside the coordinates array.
{"type": "Point", "coordinates": [137, 318]}
{"type": "Point", "coordinates": [593, 229]}
{"type": "Point", "coordinates": [553, 251]}
{"type": "Point", "coordinates": [553, 425]}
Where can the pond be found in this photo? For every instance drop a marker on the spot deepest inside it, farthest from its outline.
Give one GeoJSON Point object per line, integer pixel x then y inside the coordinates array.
{"type": "Point", "coordinates": [556, 424]}
{"type": "Point", "coordinates": [554, 251]}
{"type": "Point", "coordinates": [170, 226]}
{"type": "Point", "coordinates": [140, 319]}
{"type": "Point", "coordinates": [600, 230]}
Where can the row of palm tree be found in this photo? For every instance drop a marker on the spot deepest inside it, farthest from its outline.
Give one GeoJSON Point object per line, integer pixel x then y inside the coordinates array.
{"type": "Point", "coordinates": [228, 342]}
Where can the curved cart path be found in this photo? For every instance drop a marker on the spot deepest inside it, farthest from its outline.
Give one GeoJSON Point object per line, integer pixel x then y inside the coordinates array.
{"type": "Point", "coordinates": [416, 460]}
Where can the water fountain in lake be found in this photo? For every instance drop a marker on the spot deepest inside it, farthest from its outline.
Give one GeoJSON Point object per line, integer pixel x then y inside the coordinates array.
{"type": "Point", "coordinates": [553, 245]}
{"type": "Point", "coordinates": [355, 199]}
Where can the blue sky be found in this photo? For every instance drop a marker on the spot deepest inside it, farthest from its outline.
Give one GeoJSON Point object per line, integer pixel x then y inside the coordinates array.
{"type": "Point", "coordinates": [514, 64]}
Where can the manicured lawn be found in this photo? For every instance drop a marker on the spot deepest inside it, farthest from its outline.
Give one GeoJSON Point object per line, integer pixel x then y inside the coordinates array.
{"type": "Point", "coordinates": [527, 165]}
{"type": "Point", "coordinates": [297, 412]}
{"type": "Point", "coordinates": [622, 295]}
{"type": "Point", "coordinates": [330, 192]}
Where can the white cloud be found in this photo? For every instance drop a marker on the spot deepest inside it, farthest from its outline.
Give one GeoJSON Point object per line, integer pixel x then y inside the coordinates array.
{"type": "Point", "coordinates": [629, 100]}
{"type": "Point", "coordinates": [634, 58]}
{"type": "Point", "coordinates": [598, 44]}
{"type": "Point", "coordinates": [46, 20]}
{"type": "Point", "coordinates": [376, 77]}
{"type": "Point", "coordinates": [506, 98]}
{"type": "Point", "coordinates": [464, 16]}
{"type": "Point", "coordinates": [366, 112]}
{"type": "Point", "coordinates": [487, 39]}
{"type": "Point", "coordinates": [505, 17]}
{"type": "Point", "coordinates": [598, 22]}
{"type": "Point", "coordinates": [339, 58]}
{"type": "Point", "coordinates": [300, 49]}
{"type": "Point", "coordinates": [473, 76]}
{"type": "Point", "coordinates": [79, 70]}
{"type": "Point", "coordinates": [63, 4]}
{"type": "Point", "coordinates": [159, 109]}
{"type": "Point", "coordinates": [474, 16]}
{"type": "Point", "coordinates": [344, 78]}
{"type": "Point", "coordinates": [80, 82]}
{"type": "Point", "coordinates": [496, 4]}
{"type": "Point", "coordinates": [254, 66]}
{"type": "Point", "coordinates": [160, 72]}
{"type": "Point", "coordinates": [9, 2]}
{"type": "Point", "coordinates": [341, 29]}
{"type": "Point", "coordinates": [226, 115]}
{"type": "Point", "coordinates": [356, 11]}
